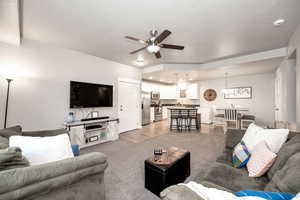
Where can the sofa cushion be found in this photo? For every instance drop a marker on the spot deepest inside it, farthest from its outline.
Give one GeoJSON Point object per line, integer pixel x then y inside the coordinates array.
{"type": "Point", "coordinates": [233, 178]}
{"type": "Point", "coordinates": [226, 157]}
{"type": "Point", "coordinates": [3, 142]}
{"type": "Point", "coordinates": [7, 132]}
{"type": "Point", "coordinates": [286, 151]}
{"type": "Point", "coordinates": [288, 178]}
{"type": "Point", "coordinates": [233, 137]}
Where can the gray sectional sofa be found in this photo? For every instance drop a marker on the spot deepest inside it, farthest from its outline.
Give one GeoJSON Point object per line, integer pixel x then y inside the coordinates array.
{"type": "Point", "coordinates": [284, 176]}
{"type": "Point", "coordinates": [78, 178]}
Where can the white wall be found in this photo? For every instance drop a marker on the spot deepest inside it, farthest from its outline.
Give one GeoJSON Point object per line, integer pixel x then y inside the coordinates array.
{"type": "Point", "coordinates": [294, 45]}
{"type": "Point", "coordinates": [40, 90]}
{"type": "Point", "coordinates": [262, 103]}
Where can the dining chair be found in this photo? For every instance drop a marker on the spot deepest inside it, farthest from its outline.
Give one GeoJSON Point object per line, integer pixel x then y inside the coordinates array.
{"type": "Point", "coordinates": [232, 116]}
{"type": "Point", "coordinates": [246, 120]}
{"type": "Point", "coordinates": [218, 120]}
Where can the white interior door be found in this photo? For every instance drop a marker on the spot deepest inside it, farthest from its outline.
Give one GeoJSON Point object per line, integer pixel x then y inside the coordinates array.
{"type": "Point", "coordinates": [129, 106]}
{"type": "Point", "coordinates": [278, 96]}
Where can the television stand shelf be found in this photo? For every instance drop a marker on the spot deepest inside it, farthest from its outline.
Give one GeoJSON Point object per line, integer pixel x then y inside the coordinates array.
{"type": "Point", "coordinates": [89, 133]}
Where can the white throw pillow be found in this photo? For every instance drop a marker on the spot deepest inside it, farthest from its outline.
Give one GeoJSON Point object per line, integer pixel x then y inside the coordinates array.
{"type": "Point", "coordinates": [274, 138]}
{"type": "Point", "coordinates": [250, 137]}
{"type": "Point", "coordinates": [40, 150]}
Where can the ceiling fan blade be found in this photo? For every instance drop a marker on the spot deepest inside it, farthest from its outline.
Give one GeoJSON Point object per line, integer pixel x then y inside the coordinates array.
{"type": "Point", "coordinates": [162, 36]}
{"type": "Point", "coordinates": [133, 52]}
{"type": "Point", "coordinates": [158, 55]}
{"type": "Point", "coordinates": [171, 46]}
{"type": "Point", "coordinates": [136, 39]}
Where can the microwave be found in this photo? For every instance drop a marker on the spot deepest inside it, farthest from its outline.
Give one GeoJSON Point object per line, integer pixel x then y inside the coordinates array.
{"type": "Point", "coordinates": [155, 95]}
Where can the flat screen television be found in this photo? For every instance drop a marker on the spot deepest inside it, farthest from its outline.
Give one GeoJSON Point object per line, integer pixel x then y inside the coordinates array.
{"type": "Point", "coordinates": [89, 95]}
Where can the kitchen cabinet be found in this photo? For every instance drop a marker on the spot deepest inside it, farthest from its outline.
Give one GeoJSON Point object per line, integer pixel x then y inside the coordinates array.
{"type": "Point", "coordinates": [171, 91]}
{"type": "Point", "coordinates": [151, 114]}
{"type": "Point", "coordinates": [192, 91]}
{"type": "Point", "coordinates": [165, 112]}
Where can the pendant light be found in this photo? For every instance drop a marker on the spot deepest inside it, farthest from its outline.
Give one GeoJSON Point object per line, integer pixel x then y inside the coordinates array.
{"type": "Point", "coordinates": [225, 90]}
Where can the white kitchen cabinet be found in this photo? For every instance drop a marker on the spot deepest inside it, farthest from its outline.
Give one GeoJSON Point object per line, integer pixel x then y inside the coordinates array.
{"type": "Point", "coordinates": [168, 92]}
{"type": "Point", "coordinates": [151, 114]}
{"type": "Point", "coordinates": [164, 91]}
{"type": "Point", "coordinates": [192, 91]}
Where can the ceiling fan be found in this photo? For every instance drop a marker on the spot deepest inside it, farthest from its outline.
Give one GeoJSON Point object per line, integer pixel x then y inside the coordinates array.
{"type": "Point", "coordinates": [153, 44]}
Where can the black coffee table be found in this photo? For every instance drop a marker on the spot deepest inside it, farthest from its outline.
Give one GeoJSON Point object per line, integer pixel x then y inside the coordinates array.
{"type": "Point", "coordinates": [160, 175]}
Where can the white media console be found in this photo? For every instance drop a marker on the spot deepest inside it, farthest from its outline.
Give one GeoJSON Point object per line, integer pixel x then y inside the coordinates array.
{"type": "Point", "coordinates": [89, 133]}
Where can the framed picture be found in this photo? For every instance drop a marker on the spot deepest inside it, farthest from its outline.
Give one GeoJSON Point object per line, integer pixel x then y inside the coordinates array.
{"type": "Point", "coordinates": [238, 93]}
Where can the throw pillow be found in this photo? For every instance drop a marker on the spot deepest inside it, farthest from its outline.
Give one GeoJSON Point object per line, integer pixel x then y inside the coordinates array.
{"type": "Point", "coordinates": [40, 150]}
{"type": "Point", "coordinates": [240, 155]}
{"type": "Point", "coordinates": [251, 135]}
{"type": "Point", "coordinates": [275, 138]}
{"type": "Point", "coordinates": [7, 132]}
{"type": "Point", "coordinates": [12, 158]}
{"type": "Point", "coordinates": [265, 195]}
{"type": "Point", "coordinates": [261, 160]}
{"type": "Point", "coordinates": [3, 142]}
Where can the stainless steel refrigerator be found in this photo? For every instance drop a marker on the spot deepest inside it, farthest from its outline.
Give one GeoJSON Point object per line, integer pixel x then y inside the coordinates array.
{"type": "Point", "coordinates": [146, 103]}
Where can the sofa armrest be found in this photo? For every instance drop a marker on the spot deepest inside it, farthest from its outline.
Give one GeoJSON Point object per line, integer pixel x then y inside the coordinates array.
{"type": "Point", "coordinates": [40, 179]}
{"type": "Point", "coordinates": [233, 137]}
{"type": "Point", "coordinates": [179, 192]}
{"type": "Point", "coordinates": [45, 133]}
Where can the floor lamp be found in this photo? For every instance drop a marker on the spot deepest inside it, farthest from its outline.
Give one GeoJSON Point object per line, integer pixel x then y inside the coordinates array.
{"type": "Point", "coordinates": [7, 97]}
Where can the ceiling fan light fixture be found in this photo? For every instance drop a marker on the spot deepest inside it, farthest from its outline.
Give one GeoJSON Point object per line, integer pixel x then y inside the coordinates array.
{"type": "Point", "coordinates": [153, 48]}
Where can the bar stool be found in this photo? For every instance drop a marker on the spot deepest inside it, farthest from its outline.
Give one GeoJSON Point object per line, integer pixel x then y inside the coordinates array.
{"type": "Point", "coordinates": [184, 115]}
{"type": "Point", "coordinates": [193, 115]}
{"type": "Point", "coordinates": [175, 116]}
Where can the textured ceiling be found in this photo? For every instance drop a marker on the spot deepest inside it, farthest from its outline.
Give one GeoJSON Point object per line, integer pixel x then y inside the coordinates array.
{"type": "Point", "coordinates": [209, 29]}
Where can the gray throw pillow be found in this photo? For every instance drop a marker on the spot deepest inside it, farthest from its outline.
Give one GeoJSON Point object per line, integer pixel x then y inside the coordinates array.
{"type": "Point", "coordinates": [7, 132]}
{"type": "Point", "coordinates": [4, 142]}
{"type": "Point", "coordinates": [11, 158]}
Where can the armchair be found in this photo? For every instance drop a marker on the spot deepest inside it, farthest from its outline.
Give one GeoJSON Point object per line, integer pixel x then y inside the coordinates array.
{"type": "Point", "coordinates": [77, 178]}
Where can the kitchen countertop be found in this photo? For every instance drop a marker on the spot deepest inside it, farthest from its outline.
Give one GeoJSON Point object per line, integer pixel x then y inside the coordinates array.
{"type": "Point", "coordinates": [175, 105]}
{"type": "Point", "coordinates": [181, 108]}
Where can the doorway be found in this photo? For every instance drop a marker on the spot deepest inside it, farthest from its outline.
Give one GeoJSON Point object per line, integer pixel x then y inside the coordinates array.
{"type": "Point", "coordinates": [129, 99]}
{"type": "Point", "coordinates": [278, 96]}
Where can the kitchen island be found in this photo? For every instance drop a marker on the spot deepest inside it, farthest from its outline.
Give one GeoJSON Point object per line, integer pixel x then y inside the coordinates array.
{"type": "Point", "coordinates": [184, 118]}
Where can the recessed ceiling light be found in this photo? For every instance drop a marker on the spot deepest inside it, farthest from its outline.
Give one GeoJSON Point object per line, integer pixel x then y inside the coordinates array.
{"type": "Point", "coordinates": [190, 79]}
{"type": "Point", "coordinates": [151, 77]}
{"type": "Point", "coordinates": [278, 22]}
